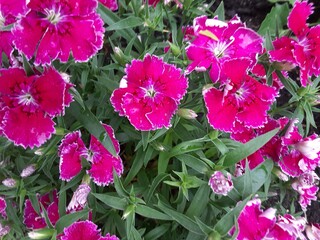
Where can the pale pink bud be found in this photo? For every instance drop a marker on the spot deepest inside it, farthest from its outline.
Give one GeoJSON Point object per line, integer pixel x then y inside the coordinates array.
{"type": "Point", "coordinates": [4, 230]}
{"type": "Point", "coordinates": [9, 182]}
{"type": "Point", "coordinates": [220, 184]}
{"type": "Point", "coordinates": [79, 198]}
{"type": "Point", "coordinates": [28, 171]}
{"type": "Point", "coordinates": [187, 113]}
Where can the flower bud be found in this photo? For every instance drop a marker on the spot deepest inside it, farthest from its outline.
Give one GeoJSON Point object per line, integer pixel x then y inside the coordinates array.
{"type": "Point", "coordinates": [175, 49]}
{"type": "Point", "coordinates": [79, 198]}
{"type": "Point", "coordinates": [130, 209]}
{"type": "Point", "coordinates": [41, 234]}
{"type": "Point", "coordinates": [187, 113]}
{"type": "Point", "coordinates": [28, 171]}
{"type": "Point", "coordinates": [9, 182]}
{"type": "Point", "coordinates": [119, 56]}
{"type": "Point", "coordinates": [281, 175]}
{"type": "Point", "coordinates": [4, 230]}
{"type": "Point", "coordinates": [220, 184]}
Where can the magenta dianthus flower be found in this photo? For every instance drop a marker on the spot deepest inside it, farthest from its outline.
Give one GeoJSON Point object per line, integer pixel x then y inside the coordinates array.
{"type": "Point", "coordinates": [54, 29]}
{"type": "Point", "coordinates": [10, 11]}
{"type": "Point", "coordinates": [111, 4]}
{"type": "Point", "coordinates": [303, 51]}
{"type": "Point", "coordinates": [33, 220]}
{"type": "Point", "coordinates": [72, 149]}
{"type": "Point", "coordinates": [84, 230]}
{"type": "Point", "coordinates": [241, 102]}
{"type": "Point", "coordinates": [217, 41]}
{"type": "Point", "coordinates": [150, 93]}
{"type": "Point", "coordinates": [28, 104]}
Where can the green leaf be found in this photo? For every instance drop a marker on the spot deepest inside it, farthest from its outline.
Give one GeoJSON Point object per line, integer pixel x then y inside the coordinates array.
{"type": "Point", "coordinates": [92, 124]}
{"type": "Point", "coordinates": [193, 162]}
{"type": "Point", "coordinates": [277, 17]}
{"type": "Point", "coordinates": [129, 22]}
{"type": "Point", "coordinates": [149, 212]}
{"type": "Point", "coordinates": [228, 221]}
{"type": "Point", "coordinates": [248, 148]}
{"type": "Point", "coordinates": [112, 201]}
{"type": "Point", "coordinates": [27, 66]}
{"type": "Point", "coordinates": [157, 232]}
{"type": "Point", "coordinates": [70, 218]}
{"type": "Point", "coordinates": [180, 218]}
{"type": "Point", "coordinates": [220, 11]}
{"type": "Point", "coordinates": [122, 192]}
{"type": "Point", "coordinates": [156, 181]}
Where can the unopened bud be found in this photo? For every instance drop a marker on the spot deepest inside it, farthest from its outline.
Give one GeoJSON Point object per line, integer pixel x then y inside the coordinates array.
{"type": "Point", "coordinates": [220, 184]}
{"type": "Point", "coordinates": [119, 56]}
{"type": "Point", "coordinates": [4, 230]}
{"type": "Point", "coordinates": [187, 113]}
{"type": "Point", "coordinates": [28, 171]}
{"type": "Point", "coordinates": [79, 198]}
{"type": "Point", "coordinates": [9, 182]}
{"type": "Point", "coordinates": [41, 234]}
{"type": "Point", "coordinates": [175, 49]}
{"type": "Point", "coordinates": [281, 175]}
{"type": "Point", "coordinates": [130, 209]}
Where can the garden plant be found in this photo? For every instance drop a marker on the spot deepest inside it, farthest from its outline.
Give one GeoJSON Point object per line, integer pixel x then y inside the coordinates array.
{"type": "Point", "coordinates": [158, 119]}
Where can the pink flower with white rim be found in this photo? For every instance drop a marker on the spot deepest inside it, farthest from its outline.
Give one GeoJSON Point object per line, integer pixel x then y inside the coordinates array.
{"type": "Point", "coordinates": [33, 220]}
{"type": "Point", "coordinates": [306, 186]}
{"type": "Point", "coordinates": [72, 149]}
{"type": "Point", "coordinates": [28, 105]}
{"type": "Point", "coordinates": [217, 41]}
{"type": "Point", "coordinates": [111, 4]}
{"type": "Point", "coordinates": [220, 184]}
{"type": "Point", "coordinates": [303, 51]}
{"type": "Point", "coordinates": [3, 206]}
{"type": "Point", "coordinates": [150, 93]}
{"type": "Point", "coordinates": [253, 223]}
{"type": "Point", "coordinates": [241, 102]}
{"type": "Point", "coordinates": [84, 230]}
{"type": "Point", "coordinates": [54, 29]}
{"type": "Point", "coordinates": [313, 231]}
{"type": "Point", "coordinates": [288, 228]}
{"type": "Point", "coordinates": [10, 11]}
{"type": "Point", "coordinates": [302, 154]}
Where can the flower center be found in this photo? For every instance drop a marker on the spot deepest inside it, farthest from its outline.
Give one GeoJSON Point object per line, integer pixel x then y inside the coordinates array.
{"type": "Point", "coordinates": [52, 16]}
{"type": "Point", "coordinates": [150, 92]}
{"type": "Point", "coordinates": [2, 20]}
{"type": "Point", "coordinates": [26, 99]}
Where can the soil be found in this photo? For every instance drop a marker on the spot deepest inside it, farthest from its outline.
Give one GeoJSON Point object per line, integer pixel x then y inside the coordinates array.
{"type": "Point", "coordinates": [253, 12]}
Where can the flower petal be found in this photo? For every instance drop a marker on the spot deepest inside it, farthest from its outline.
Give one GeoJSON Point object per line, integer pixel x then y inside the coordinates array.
{"type": "Point", "coordinates": [83, 230]}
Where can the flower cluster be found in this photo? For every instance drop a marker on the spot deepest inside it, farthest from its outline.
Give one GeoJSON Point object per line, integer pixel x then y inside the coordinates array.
{"type": "Point", "coordinates": [28, 105]}
{"type": "Point", "coordinates": [150, 93]}
{"type": "Point", "coordinates": [72, 149]}
{"type": "Point", "coordinates": [302, 51]}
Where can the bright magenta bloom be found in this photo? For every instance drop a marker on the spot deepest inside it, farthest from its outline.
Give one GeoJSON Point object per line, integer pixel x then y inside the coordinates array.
{"type": "Point", "coordinates": [85, 230]}
{"type": "Point", "coordinates": [3, 206]}
{"type": "Point", "coordinates": [220, 184]}
{"type": "Point", "coordinates": [32, 219]}
{"type": "Point", "coordinates": [53, 29]}
{"type": "Point", "coordinates": [9, 12]}
{"type": "Point", "coordinates": [301, 154]}
{"type": "Point", "coordinates": [111, 4]}
{"type": "Point", "coordinates": [217, 41]}
{"type": "Point", "coordinates": [241, 102]}
{"type": "Point", "coordinates": [150, 93]}
{"type": "Point", "coordinates": [303, 51]}
{"type": "Point", "coordinates": [253, 223]}
{"type": "Point", "coordinates": [28, 105]}
{"type": "Point", "coordinates": [72, 149]}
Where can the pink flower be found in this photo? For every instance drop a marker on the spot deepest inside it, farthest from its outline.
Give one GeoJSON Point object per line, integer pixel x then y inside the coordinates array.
{"type": "Point", "coordinates": [79, 198]}
{"type": "Point", "coordinates": [241, 102]}
{"type": "Point", "coordinates": [220, 184]}
{"type": "Point", "coordinates": [306, 186]}
{"type": "Point", "coordinates": [302, 154]}
{"type": "Point", "coordinates": [4, 230]}
{"type": "Point", "coordinates": [85, 230]}
{"type": "Point", "coordinates": [253, 223]}
{"type": "Point", "coordinates": [303, 51]}
{"type": "Point", "coordinates": [28, 104]}
{"type": "Point", "coordinates": [72, 149]}
{"type": "Point", "coordinates": [33, 220]}
{"type": "Point", "coordinates": [111, 4]}
{"type": "Point", "coordinates": [288, 228]}
{"type": "Point", "coordinates": [150, 93]}
{"type": "Point", "coordinates": [28, 171]}
{"type": "Point", "coordinates": [313, 231]}
{"type": "Point", "coordinates": [54, 29]}
{"type": "Point", "coordinates": [3, 207]}
{"type": "Point", "coordinates": [217, 41]}
{"type": "Point", "coordinates": [9, 12]}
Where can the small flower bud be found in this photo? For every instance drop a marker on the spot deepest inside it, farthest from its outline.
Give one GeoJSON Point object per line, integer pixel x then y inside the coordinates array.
{"type": "Point", "coordinates": [28, 171]}
{"type": "Point", "coordinates": [187, 113]}
{"type": "Point", "coordinates": [79, 198]}
{"type": "Point", "coordinates": [220, 184]}
{"type": "Point", "coordinates": [4, 230]}
{"type": "Point", "coordinates": [119, 56]}
{"type": "Point", "coordinates": [130, 209]}
{"type": "Point", "coordinates": [41, 234]}
{"type": "Point", "coordinates": [281, 175]}
{"type": "Point", "coordinates": [9, 182]}
{"type": "Point", "coordinates": [175, 49]}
